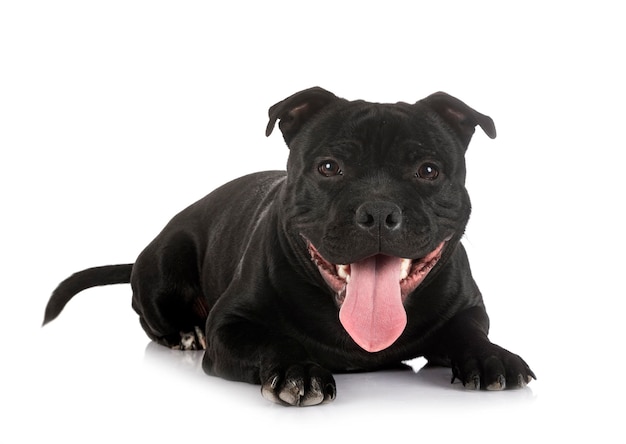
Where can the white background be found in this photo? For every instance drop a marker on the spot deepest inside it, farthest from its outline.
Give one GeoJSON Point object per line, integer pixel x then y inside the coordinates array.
{"type": "Point", "coordinates": [116, 115]}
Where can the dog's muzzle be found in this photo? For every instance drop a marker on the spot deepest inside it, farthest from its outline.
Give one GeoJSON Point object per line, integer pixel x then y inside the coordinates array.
{"type": "Point", "coordinates": [370, 293]}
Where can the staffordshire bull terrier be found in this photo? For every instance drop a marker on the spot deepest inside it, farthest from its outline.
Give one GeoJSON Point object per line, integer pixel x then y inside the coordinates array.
{"type": "Point", "coordinates": [349, 261]}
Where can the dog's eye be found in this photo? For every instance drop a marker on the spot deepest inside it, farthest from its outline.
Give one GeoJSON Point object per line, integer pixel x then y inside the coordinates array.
{"type": "Point", "coordinates": [428, 171]}
{"type": "Point", "coordinates": [329, 168]}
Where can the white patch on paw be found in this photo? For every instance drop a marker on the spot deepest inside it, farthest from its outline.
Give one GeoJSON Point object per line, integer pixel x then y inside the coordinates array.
{"type": "Point", "coordinates": [194, 340]}
{"type": "Point", "coordinates": [187, 341]}
{"type": "Point", "coordinates": [201, 338]}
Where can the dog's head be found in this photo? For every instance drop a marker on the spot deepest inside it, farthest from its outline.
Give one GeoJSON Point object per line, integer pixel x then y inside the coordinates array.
{"type": "Point", "coordinates": [376, 193]}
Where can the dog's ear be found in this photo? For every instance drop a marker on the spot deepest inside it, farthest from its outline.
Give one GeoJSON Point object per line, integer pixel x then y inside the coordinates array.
{"type": "Point", "coordinates": [460, 116]}
{"type": "Point", "coordinates": [295, 110]}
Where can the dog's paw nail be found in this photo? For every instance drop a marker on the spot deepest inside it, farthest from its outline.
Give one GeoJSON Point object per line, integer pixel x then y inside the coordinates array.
{"type": "Point", "coordinates": [330, 392]}
{"type": "Point", "coordinates": [498, 384]}
{"type": "Point", "coordinates": [292, 393]}
{"type": "Point", "coordinates": [268, 389]}
{"type": "Point", "coordinates": [314, 396]}
{"type": "Point", "coordinates": [527, 380]}
{"type": "Point", "coordinates": [472, 383]}
{"type": "Point", "coordinates": [201, 338]}
{"type": "Point", "coordinates": [274, 382]}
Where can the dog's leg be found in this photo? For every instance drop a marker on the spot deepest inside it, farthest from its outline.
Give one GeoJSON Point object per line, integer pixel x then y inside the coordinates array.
{"type": "Point", "coordinates": [254, 351]}
{"type": "Point", "coordinates": [167, 296]}
{"type": "Point", "coordinates": [476, 361]}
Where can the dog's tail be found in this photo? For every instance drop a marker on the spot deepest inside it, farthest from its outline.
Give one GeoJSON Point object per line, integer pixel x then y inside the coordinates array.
{"type": "Point", "coordinates": [91, 277]}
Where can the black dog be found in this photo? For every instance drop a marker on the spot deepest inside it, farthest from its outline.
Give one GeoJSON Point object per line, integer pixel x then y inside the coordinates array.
{"type": "Point", "coordinates": [349, 261]}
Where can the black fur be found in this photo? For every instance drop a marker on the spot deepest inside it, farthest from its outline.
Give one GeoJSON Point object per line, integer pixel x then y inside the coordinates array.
{"type": "Point", "coordinates": [362, 179]}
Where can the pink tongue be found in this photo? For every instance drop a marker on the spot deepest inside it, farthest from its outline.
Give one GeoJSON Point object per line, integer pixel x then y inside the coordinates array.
{"type": "Point", "coordinates": [372, 312]}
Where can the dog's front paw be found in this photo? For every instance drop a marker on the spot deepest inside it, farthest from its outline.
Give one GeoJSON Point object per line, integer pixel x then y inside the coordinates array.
{"type": "Point", "coordinates": [491, 368]}
{"type": "Point", "coordinates": [299, 385]}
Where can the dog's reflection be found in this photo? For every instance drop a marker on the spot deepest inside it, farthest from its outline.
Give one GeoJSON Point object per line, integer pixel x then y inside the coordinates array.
{"type": "Point", "coordinates": [189, 361]}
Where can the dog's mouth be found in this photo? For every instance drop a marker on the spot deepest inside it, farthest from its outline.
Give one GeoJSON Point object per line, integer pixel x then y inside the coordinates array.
{"type": "Point", "coordinates": [370, 293]}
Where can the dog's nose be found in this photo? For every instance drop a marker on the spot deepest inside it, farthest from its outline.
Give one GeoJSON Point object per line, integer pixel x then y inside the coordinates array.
{"type": "Point", "coordinates": [379, 216]}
